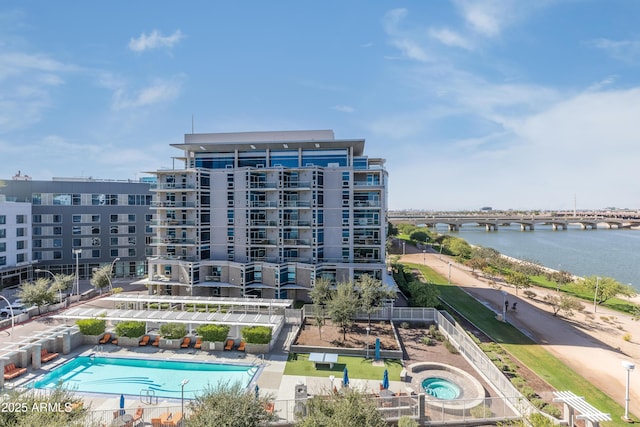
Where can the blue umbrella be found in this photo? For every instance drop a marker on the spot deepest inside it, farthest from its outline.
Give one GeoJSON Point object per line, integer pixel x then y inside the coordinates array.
{"type": "Point", "coordinates": [257, 392]}
{"type": "Point", "coordinates": [385, 380]}
{"type": "Point", "coordinates": [122, 404]}
{"type": "Point", "coordinates": [345, 377]}
{"type": "Point", "coordinates": [377, 348]}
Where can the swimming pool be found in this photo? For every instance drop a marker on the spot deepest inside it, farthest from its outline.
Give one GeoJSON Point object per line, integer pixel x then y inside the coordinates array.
{"type": "Point", "coordinates": [116, 375]}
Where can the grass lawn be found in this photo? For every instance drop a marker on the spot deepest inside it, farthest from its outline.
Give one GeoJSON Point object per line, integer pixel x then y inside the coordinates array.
{"type": "Point", "coordinates": [359, 367]}
{"type": "Point", "coordinates": [523, 348]}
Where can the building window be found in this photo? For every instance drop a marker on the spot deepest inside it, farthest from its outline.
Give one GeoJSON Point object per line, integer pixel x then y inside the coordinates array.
{"type": "Point", "coordinates": [57, 254]}
{"type": "Point", "coordinates": [36, 198]}
{"type": "Point", "coordinates": [57, 219]}
{"type": "Point", "coordinates": [132, 217]}
{"type": "Point", "coordinates": [76, 218]}
{"type": "Point", "coordinates": [3, 260]}
{"type": "Point", "coordinates": [113, 253]}
{"type": "Point", "coordinates": [37, 219]}
{"type": "Point", "coordinates": [132, 241]}
{"type": "Point", "coordinates": [3, 246]}
{"type": "Point", "coordinates": [113, 241]}
{"type": "Point", "coordinates": [37, 243]}
{"type": "Point", "coordinates": [95, 241]}
{"type": "Point", "coordinates": [37, 231]}
{"type": "Point", "coordinates": [57, 243]}
{"type": "Point", "coordinates": [76, 229]}
{"type": "Point", "coordinates": [21, 232]}
{"type": "Point", "coordinates": [95, 218]}
{"type": "Point", "coordinates": [113, 229]}
{"type": "Point", "coordinates": [95, 253]}
{"type": "Point", "coordinates": [95, 230]}
{"type": "Point", "coordinates": [113, 218]}
{"type": "Point", "coordinates": [57, 231]}
{"type": "Point", "coordinates": [21, 219]}
{"type": "Point", "coordinates": [76, 243]}
{"type": "Point", "coordinates": [62, 199]}
{"type": "Point", "coordinates": [3, 219]}
{"type": "Point", "coordinates": [76, 199]}
{"type": "Point", "coordinates": [132, 229]}
{"type": "Point", "coordinates": [132, 252]}
{"type": "Point", "coordinates": [20, 258]}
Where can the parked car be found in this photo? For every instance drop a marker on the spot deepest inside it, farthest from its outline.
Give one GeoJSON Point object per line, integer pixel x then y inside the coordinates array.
{"type": "Point", "coordinates": [18, 308]}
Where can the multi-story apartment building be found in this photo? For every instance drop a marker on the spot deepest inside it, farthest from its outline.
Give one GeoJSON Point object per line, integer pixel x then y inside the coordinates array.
{"type": "Point", "coordinates": [79, 224]}
{"type": "Point", "coordinates": [266, 214]}
{"type": "Point", "coordinates": [15, 240]}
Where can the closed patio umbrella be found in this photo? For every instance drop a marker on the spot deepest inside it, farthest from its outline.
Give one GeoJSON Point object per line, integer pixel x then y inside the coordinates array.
{"type": "Point", "coordinates": [345, 377]}
{"type": "Point", "coordinates": [385, 380]}
{"type": "Point", "coordinates": [122, 404]}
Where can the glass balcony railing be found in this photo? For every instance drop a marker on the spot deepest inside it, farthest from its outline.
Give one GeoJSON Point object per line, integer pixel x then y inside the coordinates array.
{"type": "Point", "coordinates": [259, 223]}
{"type": "Point", "coordinates": [172, 241]}
{"type": "Point", "coordinates": [263, 204]}
{"type": "Point", "coordinates": [293, 223]}
{"type": "Point", "coordinates": [171, 223]}
{"type": "Point", "coordinates": [173, 186]}
{"type": "Point", "coordinates": [295, 204]}
{"type": "Point", "coordinates": [297, 184]}
{"type": "Point", "coordinates": [295, 242]}
{"type": "Point", "coordinates": [172, 204]}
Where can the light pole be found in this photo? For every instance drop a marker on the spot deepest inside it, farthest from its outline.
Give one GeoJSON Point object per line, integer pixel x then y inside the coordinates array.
{"type": "Point", "coordinates": [109, 275]}
{"type": "Point", "coordinates": [403, 245]}
{"type": "Point", "coordinates": [39, 270]}
{"type": "Point", "coordinates": [11, 310]}
{"type": "Point", "coordinates": [504, 306]}
{"type": "Point", "coordinates": [424, 256]}
{"type": "Point", "coordinates": [629, 367]}
{"type": "Point", "coordinates": [368, 330]}
{"type": "Point", "coordinates": [77, 253]}
{"type": "Point", "coordinates": [183, 383]}
{"type": "Point", "coordinates": [449, 273]}
{"type": "Point", "coordinates": [595, 296]}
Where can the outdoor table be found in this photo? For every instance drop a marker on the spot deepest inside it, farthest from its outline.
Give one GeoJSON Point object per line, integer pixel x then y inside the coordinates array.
{"type": "Point", "coordinates": [323, 359]}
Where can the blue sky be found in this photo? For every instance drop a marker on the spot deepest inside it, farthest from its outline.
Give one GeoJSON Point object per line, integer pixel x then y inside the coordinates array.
{"type": "Point", "coordinates": [504, 103]}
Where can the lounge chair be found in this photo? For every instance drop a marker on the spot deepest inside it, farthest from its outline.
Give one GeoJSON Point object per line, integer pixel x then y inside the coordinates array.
{"type": "Point", "coordinates": [114, 341]}
{"type": "Point", "coordinates": [198, 343]}
{"type": "Point", "coordinates": [156, 422]}
{"type": "Point", "coordinates": [105, 338]}
{"type": "Point", "coordinates": [175, 420]}
{"type": "Point", "coordinates": [241, 346]}
{"type": "Point", "coordinates": [165, 418]}
{"type": "Point", "coordinates": [11, 371]}
{"type": "Point", "coordinates": [137, 417]}
{"type": "Point", "coordinates": [229, 345]}
{"type": "Point", "coordinates": [185, 342]}
{"type": "Point", "coordinates": [269, 407]}
{"type": "Point", "coordinates": [144, 340]}
{"type": "Point", "coordinates": [156, 342]}
{"type": "Point", "coordinates": [45, 356]}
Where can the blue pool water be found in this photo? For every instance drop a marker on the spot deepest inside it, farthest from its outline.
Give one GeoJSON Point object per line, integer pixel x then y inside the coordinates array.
{"type": "Point", "coordinates": [441, 388]}
{"type": "Point", "coordinates": [129, 376]}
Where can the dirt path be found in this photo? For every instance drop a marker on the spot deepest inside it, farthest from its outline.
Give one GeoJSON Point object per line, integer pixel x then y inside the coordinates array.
{"type": "Point", "coordinates": [591, 344]}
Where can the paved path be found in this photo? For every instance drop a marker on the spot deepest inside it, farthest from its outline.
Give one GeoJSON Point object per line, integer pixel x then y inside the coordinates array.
{"type": "Point", "coordinates": [591, 346]}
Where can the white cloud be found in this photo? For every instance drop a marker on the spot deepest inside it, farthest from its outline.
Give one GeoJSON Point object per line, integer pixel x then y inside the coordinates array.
{"type": "Point", "coordinates": [450, 38]}
{"type": "Point", "coordinates": [344, 108]}
{"type": "Point", "coordinates": [486, 17]}
{"type": "Point", "coordinates": [622, 50]}
{"type": "Point", "coordinates": [407, 43]}
{"type": "Point", "coordinates": [159, 91]}
{"type": "Point", "coordinates": [154, 40]}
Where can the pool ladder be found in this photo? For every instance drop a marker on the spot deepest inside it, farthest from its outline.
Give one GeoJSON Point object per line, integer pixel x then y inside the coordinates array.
{"type": "Point", "coordinates": [148, 396]}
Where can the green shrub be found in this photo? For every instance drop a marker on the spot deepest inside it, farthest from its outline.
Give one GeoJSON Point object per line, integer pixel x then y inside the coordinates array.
{"type": "Point", "coordinates": [257, 334]}
{"type": "Point", "coordinates": [627, 337]}
{"type": "Point", "coordinates": [427, 341]}
{"type": "Point", "coordinates": [452, 349]}
{"type": "Point", "coordinates": [552, 410]}
{"type": "Point", "coordinates": [518, 382]}
{"type": "Point", "coordinates": [404, 325]}
{"type": "Point", "coordinates": [405, 421]}
{"type": "Point", "coordinates": [528, 392]}
{"type": "Point", "coordinates": [538, 402]}
{"type": "Point", "coordinates": [130, 329]}
{"type": "Point", "coordinates": [173, 331]}
{"type": "Point", "coordinates": [92, 326]}
{"type": "Point", "coordinates": [213, 332]}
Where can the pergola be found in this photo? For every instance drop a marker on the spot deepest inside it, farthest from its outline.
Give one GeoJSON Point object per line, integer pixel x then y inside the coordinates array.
{"type": "Point", "coordinates": [572, 403]}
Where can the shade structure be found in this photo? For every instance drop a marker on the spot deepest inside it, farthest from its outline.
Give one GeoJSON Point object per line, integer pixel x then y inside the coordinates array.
{"type": "Point", "coordinates": [122, 404]}
{"type": "Point", "coordinates": [377, 348]}
{"type": "Point", "coordinates": [385, 379]}
{"type": "Point", "coordinates": [345, 377]}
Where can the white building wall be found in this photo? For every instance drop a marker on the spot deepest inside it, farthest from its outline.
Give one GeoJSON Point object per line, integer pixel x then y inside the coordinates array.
{"type": "Point", "coordinates": [11, 211]}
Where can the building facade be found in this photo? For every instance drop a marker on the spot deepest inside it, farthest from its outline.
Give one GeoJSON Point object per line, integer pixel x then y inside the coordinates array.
{"type": "Point", "coordinates": [79, 224]}
{"type": "Point", "coordinates": [266, 214]}
{"type": "Point", "coordinates": [15, 238]}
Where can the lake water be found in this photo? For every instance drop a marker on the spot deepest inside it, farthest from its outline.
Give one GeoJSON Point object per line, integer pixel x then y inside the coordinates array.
{"type": "Point", "coordinates": [602, 252]}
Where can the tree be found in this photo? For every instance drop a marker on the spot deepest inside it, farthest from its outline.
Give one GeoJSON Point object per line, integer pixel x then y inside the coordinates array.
{"type": "Point", "coordinates": [101, 277]}
{"type": "Point", "coordinates": [563, 303]}
{"type": "Point", "coordinates": [459, 248]}
{"type": "Point", "coordinates": [320, 295]}
{"type": "Point", "coordinates": [63, 408]}
{"type": "Point", "coordinates": [342, 306]}
{"type": "Point", "coordinates": [373, 294]}
{"type": "Point", "coordinates": [518, 279]}
{"type": "Point", "coordinates": [419, 236]}
{"type": "Point", "coordinates": [229, 405]}
{"type": "Point", "coordinates": [348, 409]}
{"type": "Point", "coordinates": [560, 278]}
{"type": "Point", "coordinates": [423, 294]}
{"type": "Point", "coordinates": [607, 288]}
{"type": "Point", "coordinates": [39, 293]}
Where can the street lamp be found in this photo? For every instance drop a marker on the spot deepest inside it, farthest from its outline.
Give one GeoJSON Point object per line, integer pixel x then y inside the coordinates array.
{"type": "Point", "coordinates": [183, 383]}
{"type": "Point", "coordinates": [109, 275]}
{"type": "Point", "coordinates": [504, 306]}
{"type": "Point", "coordinates": [55, 280]}
{"type": "Point", "coordinates": [403, 245]}
{"type": "Point", "coordinates": [629, 367]}
{"type": "Point", "coordinates": [10, 310]}
{"type": "Point", "coordinates": [77, 253]}
{"type": "Point", "coordinates": [449, 273]}
{"type": "Point", "coordinates": [368, 330]}
{"type": "Point", "coordinates": [424, 256]}
{"type": "Point", "coordinates": [595, 296]}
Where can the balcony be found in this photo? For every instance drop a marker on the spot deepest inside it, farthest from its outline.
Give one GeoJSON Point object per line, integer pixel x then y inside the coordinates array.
{"type": "Point", "coordinates": [295, 204]}
{"type": "Point", "coordinates": [260, 223]}
{"type": "Point", "coordinates": [172, 204]}
{"type": "Point", "coordinates": [295, 242]}
{"type": "Point", "coordinates": [171, 223]}
{"type": "Point", "coordinates": [172, 241]}
{"type": "Point", "coordinates": [293, 223]}
{"type": "Point", "coordinates": [367, 203]}
{"type": "Point", "coordinates": [366, 241]}
{"type": "Point", "coordinates": [298, 185]}
{"type": "Point", "coordinates": [263, 185]}
{"type": "Point", "coordinates": [263, 204]}
{"type": "Point", "coordinates": [262, 242]}
{"type": "Point", "coordinates": [172, 186]}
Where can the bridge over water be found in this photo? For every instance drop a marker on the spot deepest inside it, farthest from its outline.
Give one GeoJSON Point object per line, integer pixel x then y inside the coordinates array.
{"type": "Point", "coordinates": [493, 222]}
